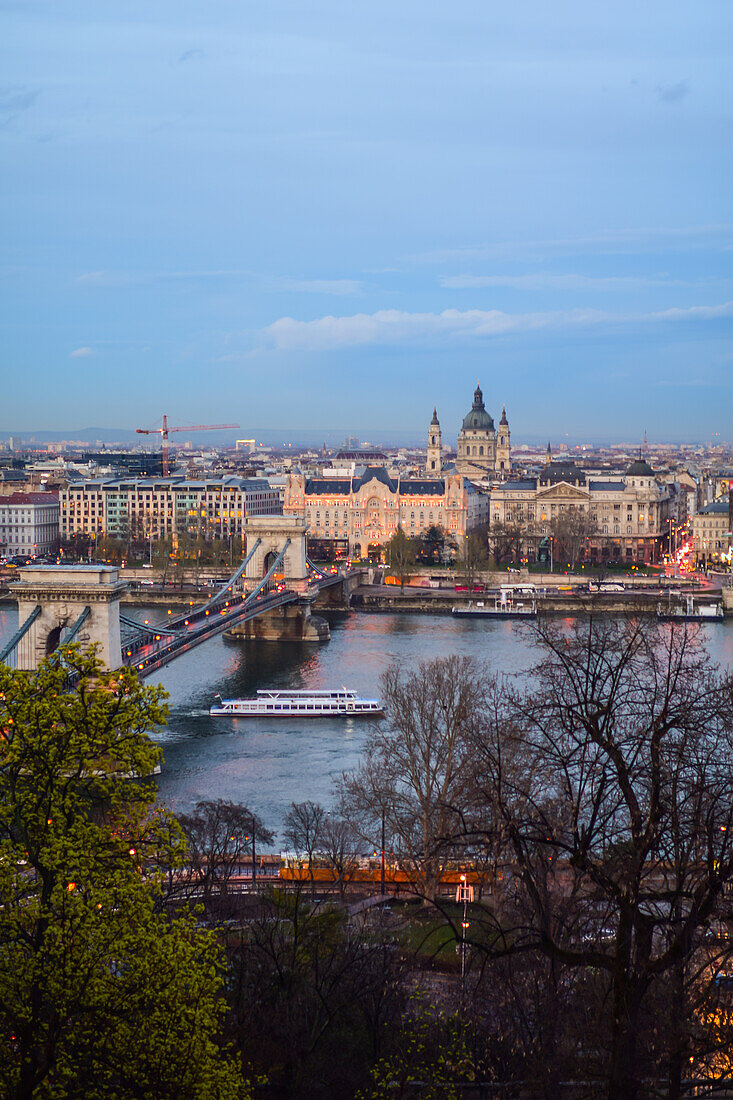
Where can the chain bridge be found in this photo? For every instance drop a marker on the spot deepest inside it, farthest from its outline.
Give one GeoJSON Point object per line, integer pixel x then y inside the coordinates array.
{"type": "Point", "coordinates": [270, 596]}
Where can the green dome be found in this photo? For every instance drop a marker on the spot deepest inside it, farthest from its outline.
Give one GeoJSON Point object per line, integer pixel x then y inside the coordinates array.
{"type": "Point", "coordinates": [478, 419]}
{"type": "Point", "coordinates": [640, 468]}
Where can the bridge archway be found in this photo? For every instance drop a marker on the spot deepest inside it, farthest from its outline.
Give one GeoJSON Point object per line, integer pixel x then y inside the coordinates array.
{"type": "Point", "coordinates": [268, 561]}
{"type": "Point", "coordinates": [52, 640]}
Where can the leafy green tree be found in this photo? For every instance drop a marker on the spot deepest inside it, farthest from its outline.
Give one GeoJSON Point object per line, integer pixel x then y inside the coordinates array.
{"type": "Point", "coordinates": [400, 555]}
{"type": "Point", "coordinates": [101, 995]}
{"type": "Point", "coordinates": [431, 543]}
{"type": "Point", "coordinates": [429, 1059]}
{"type": "Point", "coordinates": [314, 999]}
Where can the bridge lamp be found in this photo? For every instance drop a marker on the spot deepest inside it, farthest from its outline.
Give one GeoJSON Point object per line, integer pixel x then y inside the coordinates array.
{"type": "Point", "coordinates": [129, 653]}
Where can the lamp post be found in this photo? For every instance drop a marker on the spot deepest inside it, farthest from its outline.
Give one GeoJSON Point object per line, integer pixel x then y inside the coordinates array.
{"type": "Point", "coordinates": [254, 871]}
{"type": "Point", "coordinates": [464, 893]}
{"type": "Point", "coordinates": [382, 890]}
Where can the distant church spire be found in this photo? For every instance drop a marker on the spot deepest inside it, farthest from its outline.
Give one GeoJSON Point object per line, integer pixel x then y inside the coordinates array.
{"type": "Point", "coordinates": [434, 463]}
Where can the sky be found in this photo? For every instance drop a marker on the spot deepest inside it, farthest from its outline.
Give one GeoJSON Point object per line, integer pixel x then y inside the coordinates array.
{"type": "Point", "coordinates": [318, 214]}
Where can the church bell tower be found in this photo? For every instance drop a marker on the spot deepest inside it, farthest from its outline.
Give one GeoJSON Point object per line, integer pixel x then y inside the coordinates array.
{"type": "Point", "coordinates": [434, 466]}
{"type": "Point", "coordinates": [503, 446]}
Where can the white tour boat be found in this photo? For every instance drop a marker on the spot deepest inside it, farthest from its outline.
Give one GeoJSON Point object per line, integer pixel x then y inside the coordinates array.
{"type": "Point", "coordinates": [297, 704]}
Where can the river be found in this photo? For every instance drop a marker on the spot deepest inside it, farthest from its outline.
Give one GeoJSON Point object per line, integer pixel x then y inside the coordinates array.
{"type": "Point", "coordinates": [268, 763]}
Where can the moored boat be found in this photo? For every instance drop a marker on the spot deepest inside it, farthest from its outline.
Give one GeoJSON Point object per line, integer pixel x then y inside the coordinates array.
{"type": "Point", "coordinates": [691, 610]}
{"type": "Point", "coordinates": [297, 704]}
{"type": "Point", "coordinates": [495, 609]}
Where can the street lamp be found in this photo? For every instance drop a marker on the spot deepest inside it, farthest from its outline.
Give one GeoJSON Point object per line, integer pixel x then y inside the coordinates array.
{"type": "Point", "coordinates": [464, 893]}
{"type": "Point", "coordinates": [382, 890]}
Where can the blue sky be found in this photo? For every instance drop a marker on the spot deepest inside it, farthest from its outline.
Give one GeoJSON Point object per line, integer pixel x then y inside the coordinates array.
{"type": "Point", "coordinates": [303, 214]}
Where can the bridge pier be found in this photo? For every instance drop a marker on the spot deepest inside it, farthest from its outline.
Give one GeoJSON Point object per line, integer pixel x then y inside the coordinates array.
{"type": "Point", "coordinates": [337, 595]}
{"type": "Point", "coordinates": [293, 622]}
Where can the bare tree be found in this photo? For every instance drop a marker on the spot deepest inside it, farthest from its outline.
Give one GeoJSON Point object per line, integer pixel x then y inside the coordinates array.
{"type": "Point", "coordinates": [506, 541]}
{"type": "Point", "coordinates": [611, 784]}
{"type": "Point", "coordinates": [220, 834]}
{"type": "Point", "coordinates": [571, 530]}
{"type": "Point", "coordinates": [414, 767]}
{"type": "Point", "coordinates": [338, 846]}
{"type": "Point", "coordinates": [303, 831]}
{"type": "Point", "coordinates": [473, 554]}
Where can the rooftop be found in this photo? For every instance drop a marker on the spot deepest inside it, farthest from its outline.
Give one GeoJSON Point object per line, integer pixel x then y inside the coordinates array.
{"type": "Point", "coordinates": [30, 498]}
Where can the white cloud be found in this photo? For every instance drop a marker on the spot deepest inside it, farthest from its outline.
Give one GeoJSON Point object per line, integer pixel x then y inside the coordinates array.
{"type": "Point", "coordinates": [545, 280]}
{"type": "Point", "coordinates": [392, 326]}
{"type": "Point", "coordinates": [133, 278]}
{"type": "Point", "coordinates": [284, 282]}
{"type": "Point", "coordinates": [631, 241]}
{"type": "Point", "coordinates": [320, 286]}
{"type": "Point", "coordinates": [81, 353]}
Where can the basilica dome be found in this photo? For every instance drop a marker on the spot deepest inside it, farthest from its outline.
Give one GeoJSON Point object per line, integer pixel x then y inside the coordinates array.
{"type": "Point", "coordinates": [477, 419]}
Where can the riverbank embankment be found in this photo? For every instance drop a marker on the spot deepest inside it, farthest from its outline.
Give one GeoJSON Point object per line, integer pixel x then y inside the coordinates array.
{"type": "Point", "coordinates": [431, 601]}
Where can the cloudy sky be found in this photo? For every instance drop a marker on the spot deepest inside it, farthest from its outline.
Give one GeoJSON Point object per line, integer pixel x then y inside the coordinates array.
{"type": "Point", "coordinates": [322, 214]}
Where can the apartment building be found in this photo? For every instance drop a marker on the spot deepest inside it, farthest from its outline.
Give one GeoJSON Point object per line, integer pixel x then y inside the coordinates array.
{"type": "Point", "coordinates": [165, 507]}
{"type": "Point", "coordinates": [29, 524]}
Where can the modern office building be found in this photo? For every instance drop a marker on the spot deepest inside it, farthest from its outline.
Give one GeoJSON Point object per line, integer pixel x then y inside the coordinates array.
{"type": "Point", "coordinates": [164, 507]}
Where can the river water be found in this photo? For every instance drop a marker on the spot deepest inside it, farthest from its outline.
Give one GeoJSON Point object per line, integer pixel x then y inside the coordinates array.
{"type": "Point", "coordinates": [269, 763]}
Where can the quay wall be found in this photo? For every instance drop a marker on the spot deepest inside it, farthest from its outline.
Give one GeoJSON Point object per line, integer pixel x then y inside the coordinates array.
{"type": "Point", "coordinates": [440, 603]}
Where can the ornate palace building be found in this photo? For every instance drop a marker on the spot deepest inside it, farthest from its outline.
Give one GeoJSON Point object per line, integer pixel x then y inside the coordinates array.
{"type": "Point", "coordinates": [353, 515]}
{"type": "Point", "coordinates": [483, 452]}
{"type": "Point", "coordinates": [621, 519]}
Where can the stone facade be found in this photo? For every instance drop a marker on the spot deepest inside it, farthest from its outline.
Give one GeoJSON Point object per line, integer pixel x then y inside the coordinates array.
{"type": "Point", "coordinates": [350, 515]}
{"type": "Point", "coordinates": [434, 461]}
{"type": "Point", "coordinates": [273, 533]}
{"type": "Point", "coordinates": [483, 452]}
{"type": "Point", "coordinates": [625, 517]}
{"type": "Point", "coordinates": [29, 524]}
{"type": "Point", "coordinates": [711, 533]}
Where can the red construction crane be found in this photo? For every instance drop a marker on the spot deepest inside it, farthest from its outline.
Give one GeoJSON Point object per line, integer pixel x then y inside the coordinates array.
{"type": "Point", "coordinates": [163, 433]}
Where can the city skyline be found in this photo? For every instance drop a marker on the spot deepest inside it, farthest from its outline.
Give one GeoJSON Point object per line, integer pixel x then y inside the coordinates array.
{"type": "Point", "coordinates": [302, 218]}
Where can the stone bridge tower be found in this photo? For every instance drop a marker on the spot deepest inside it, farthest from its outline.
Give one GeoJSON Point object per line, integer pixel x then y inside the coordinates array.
{"type": "Point", "coordinates": [273, 533]}
{"type": "Point", "coordinates": [53, 599]}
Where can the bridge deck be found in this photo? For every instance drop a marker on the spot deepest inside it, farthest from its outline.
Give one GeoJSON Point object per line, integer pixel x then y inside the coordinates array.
{"type": "Point", "coordinates": [208, 621]}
